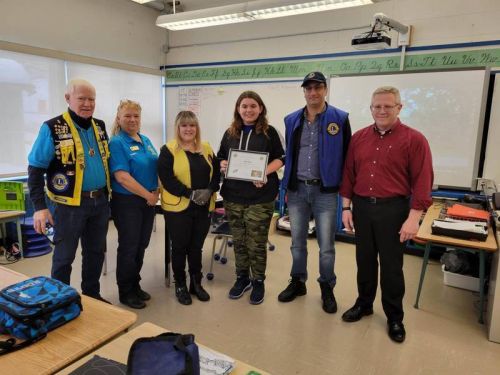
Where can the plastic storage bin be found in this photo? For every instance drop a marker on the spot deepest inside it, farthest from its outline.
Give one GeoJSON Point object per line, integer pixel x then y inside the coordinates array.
{"type": "Point", "coordinates": [460, 281]}
{"type": "Point", "coordinates": [11, 196]}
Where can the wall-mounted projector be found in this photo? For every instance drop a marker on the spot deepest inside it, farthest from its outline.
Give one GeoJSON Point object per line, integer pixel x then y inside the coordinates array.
{"type": "Point", "coordinates": [375, 40]}
{"type": "Point", "coordinates": [378, 38]}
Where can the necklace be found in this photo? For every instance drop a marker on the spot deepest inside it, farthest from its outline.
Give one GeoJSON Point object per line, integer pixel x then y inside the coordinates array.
{"type": "Point", "coordinates": [87, 142]}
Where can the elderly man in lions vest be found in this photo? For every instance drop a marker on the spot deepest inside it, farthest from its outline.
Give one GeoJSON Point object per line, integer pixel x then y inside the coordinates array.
{"type": "Point", "coordinates": [72, 151]}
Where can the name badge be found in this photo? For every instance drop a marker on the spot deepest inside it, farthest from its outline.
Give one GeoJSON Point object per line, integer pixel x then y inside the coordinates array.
{"type": "Point", "coordinates": [134, 148]}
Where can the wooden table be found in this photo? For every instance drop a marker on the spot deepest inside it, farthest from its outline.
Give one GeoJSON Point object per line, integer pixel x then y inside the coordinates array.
{"type": "Point", "coordinates": [482, 247]}
{"type": "Point", "coordinates": [8, 216]}
{"type": "Point", "coordinates": [118, 350]}
{"type": "Point", "coordinates": [98, 323]}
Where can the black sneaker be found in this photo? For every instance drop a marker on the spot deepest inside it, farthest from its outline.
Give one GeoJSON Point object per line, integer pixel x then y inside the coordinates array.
{"type": "Point", "coordinates": [257, 295]}
{"type": "Point", "coordinates": [241, 285]}
{"type": "Point", "coordinates": [294, 289]}
{"type": "Point", "coordinates": [183, 295]}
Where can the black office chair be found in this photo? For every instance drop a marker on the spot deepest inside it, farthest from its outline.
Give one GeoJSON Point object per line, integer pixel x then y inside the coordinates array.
{"type": "Point", "coordinates": [220, 232]}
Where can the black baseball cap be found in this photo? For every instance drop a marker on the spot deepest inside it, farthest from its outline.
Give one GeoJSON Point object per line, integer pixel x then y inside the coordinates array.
{"type": "Point", "coordinates": [314, 77]}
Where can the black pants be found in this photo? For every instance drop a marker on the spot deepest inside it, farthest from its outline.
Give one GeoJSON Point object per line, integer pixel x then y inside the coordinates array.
{"type": "Point", "coordinates": [134, 220]}
{"type": "Point", "coordinates": [188, 230]}
{"type": "Point", "coordinates": [377, 227]}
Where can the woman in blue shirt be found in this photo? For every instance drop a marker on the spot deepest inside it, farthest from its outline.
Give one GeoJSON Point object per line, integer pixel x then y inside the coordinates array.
{"type": "Point", "coordinates": [133, 165]}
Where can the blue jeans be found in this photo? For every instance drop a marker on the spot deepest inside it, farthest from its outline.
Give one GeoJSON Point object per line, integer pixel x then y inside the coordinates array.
{"type": "Point", "coordinates": [301, 203]}
{"type": "Point", "coordinates": [88, 223]}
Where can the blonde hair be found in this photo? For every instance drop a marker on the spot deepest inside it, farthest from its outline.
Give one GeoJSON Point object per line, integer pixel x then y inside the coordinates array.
{"type": "Point", "coordinates": [388, 90]}
{"type": "Point", "coordinates": [124, 104]}
{"type": "Point", "coordinates": [187, 117]}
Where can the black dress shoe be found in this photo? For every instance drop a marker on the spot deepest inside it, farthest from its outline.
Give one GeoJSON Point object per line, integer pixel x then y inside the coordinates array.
{"type": "Point", "coordinates": [142, 295]}
{"type": "Point", "coordinates": [355, 313]}
{"type": "Point", "coordinates": [396, 331]}
{"type": "Point", "coordinates": [131, 300]}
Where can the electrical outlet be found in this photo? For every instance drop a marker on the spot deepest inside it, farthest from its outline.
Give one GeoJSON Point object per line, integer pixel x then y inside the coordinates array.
{"type": "Point", "coordinates": [485, 184]}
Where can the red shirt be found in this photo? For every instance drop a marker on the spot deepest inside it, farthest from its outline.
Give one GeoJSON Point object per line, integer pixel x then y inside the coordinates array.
{"type": "Point", "coordinates": [397, 163]}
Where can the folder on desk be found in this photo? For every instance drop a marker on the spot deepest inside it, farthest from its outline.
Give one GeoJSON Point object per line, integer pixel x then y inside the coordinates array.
{"type": "Point", "coordinates": [467, 213]}
{"type": "Point", "coordinates": [100, 366]}
{"type": "Point", "coordinates": [467, 230]}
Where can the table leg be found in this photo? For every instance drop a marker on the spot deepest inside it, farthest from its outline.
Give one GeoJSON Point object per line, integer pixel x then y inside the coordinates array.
{"type": "Point", "coordinates": [482, 267]}
{"type": "Point", "coordinates": [3, 234]}
{"type": "Point", "coordinates": [19, 237]}
{"type": "Point", "coordinates": [422, 272]}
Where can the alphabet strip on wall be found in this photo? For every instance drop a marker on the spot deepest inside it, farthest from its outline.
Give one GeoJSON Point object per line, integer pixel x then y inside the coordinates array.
{"type": "Point", "coordinates": [340, 66]}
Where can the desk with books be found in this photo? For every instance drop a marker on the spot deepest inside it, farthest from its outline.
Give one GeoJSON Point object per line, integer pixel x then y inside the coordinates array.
{"type": "Point", "coordinates": [481, 247]}
{"type": "Point", "coordinates": [118, 350]}
{"type": "Point", "coordinates": [98, 323]}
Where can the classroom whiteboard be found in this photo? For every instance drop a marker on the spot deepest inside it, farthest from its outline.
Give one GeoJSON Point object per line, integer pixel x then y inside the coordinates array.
{"type": "Point", "coordinates": [446, 106]}
{"type": "Point", "coordinates": [214, 105]}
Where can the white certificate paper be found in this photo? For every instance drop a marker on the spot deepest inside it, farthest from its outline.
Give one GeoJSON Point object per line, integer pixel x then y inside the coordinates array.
{"type": "Point", "coordinates": [247, 165]}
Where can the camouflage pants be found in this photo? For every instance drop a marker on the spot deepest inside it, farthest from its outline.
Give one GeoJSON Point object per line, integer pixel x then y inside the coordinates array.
{"type": "Point", "coordinates": [250, 228]}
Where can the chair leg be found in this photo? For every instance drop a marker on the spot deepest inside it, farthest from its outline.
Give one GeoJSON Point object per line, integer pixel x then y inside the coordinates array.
{"type": "Point", "coordinates": [213, 254]}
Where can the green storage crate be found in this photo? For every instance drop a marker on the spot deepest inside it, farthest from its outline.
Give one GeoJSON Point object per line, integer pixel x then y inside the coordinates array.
{"type": "Point", "coordinates": [11, 196]}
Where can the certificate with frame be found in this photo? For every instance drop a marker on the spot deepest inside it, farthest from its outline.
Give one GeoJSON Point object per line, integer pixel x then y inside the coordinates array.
{"type": "Point", "coordinates": [247, 165]}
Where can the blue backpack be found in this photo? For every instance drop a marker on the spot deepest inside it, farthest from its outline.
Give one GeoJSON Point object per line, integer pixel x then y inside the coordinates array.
{"type": "Point", "coordinates": [31, 308]}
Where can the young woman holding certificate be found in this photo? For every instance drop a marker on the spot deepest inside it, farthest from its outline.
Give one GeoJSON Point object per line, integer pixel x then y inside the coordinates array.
{"type": "Point", "coordinates": [189, 174]}
{"type": "Point", "coordinates": [249, 202]}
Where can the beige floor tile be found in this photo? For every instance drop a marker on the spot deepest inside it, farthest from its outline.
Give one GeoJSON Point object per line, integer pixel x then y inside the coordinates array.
{"type": "Point", "coordinates": [443, 336]}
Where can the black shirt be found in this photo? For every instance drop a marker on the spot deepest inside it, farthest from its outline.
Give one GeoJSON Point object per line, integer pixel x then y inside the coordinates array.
{"type": "Point", "coordinates": [245, 192]}
{"type": "Point", "coordinates": [199, 171]}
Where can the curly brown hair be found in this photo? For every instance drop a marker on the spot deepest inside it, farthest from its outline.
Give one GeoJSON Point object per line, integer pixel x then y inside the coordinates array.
{"type": "Point", "coordinates": [261, 124]}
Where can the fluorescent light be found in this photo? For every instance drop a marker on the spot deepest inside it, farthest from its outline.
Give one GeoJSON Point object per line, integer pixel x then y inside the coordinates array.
{"type": "Point", "coordinates": [142, 1]}
{"type": "Point", "coordinates": [250, 11]}
{"type": "Point", "coordinates": [204, 17]}
{"type": "Point", "coordinates": [304, 8]}
{"type": "Point", "coordinates": [207, 21]}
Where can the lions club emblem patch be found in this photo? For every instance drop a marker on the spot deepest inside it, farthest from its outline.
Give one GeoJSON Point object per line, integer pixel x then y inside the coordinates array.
{"type": "Point", "coordinates": [332, 128]}
{"type": "Point", "coordinates": [60, 182]}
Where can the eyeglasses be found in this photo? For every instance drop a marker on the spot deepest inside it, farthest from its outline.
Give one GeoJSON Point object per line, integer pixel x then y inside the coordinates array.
{"type": "Point", "coordinates": [387, 108]}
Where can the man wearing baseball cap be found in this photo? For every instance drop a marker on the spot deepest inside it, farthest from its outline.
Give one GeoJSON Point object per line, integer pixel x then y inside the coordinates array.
{"type": "Point", "coordinates": [317, 137]}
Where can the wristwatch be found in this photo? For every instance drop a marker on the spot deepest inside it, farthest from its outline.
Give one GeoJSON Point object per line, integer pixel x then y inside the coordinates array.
{"type": "Point", "coordinates": [346, 208]}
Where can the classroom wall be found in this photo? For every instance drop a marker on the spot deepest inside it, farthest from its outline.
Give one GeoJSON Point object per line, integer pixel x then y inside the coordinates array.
{"type": "Point", "coordinates": [115, 30]}
{"type": "Point", "coordinates": [434, 22]}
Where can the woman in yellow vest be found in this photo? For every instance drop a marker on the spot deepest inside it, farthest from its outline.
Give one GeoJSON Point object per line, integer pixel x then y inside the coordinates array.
{"type": "Point", "coordinates": [189, 175]}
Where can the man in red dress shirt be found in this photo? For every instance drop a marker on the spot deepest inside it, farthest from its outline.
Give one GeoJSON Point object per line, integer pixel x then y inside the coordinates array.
{"type": "Point", "coordinates": [388, 179]}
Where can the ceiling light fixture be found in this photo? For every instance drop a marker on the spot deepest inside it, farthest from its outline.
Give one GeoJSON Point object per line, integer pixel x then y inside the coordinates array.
{"type": "Point", "coordinates": [251, 11]}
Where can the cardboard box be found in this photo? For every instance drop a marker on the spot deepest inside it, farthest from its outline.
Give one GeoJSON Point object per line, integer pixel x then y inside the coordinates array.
{"type": "Point", "coordinates": [461, 281]}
